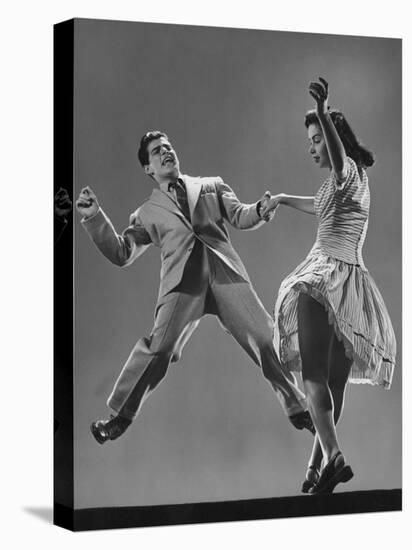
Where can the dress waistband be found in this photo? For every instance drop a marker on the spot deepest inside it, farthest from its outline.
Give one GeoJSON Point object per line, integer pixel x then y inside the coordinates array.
{"type": "Point", "coordinates": [340, 255]}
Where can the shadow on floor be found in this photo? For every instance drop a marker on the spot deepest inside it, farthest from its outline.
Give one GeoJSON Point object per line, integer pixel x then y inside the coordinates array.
{"type": "Point", "coordinates": [43, 513]}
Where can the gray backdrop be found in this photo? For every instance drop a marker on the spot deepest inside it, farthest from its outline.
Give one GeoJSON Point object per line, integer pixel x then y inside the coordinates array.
{"type": "Point", "coordinates": [233, 103]}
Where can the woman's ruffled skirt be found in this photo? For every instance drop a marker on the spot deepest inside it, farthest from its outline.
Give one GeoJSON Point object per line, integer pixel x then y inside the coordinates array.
{"type": "Point", "coordinates": [355, 309]}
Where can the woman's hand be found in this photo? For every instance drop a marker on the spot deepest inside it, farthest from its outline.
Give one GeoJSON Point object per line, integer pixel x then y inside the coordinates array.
{"type": "Point", "coordinates": [320, 93]}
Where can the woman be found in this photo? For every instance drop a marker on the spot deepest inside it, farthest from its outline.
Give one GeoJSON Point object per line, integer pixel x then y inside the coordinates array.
{"type": "Point", "coordinates": [330, 319]}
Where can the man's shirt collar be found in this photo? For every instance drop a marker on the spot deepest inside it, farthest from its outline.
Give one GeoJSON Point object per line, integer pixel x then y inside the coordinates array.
{"type": "Point", "coordinates": [169, 187]}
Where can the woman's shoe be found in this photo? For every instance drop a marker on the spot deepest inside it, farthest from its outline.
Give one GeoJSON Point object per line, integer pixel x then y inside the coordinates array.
{"type": "Point", "coordinates": [335, 471]}
{"type": "Point", "coordinates": [312, 477]}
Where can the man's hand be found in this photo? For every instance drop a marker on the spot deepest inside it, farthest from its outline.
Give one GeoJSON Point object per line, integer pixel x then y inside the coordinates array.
{"type": "Point", "coordinates": [263, 207]}
{"type": "Point", "coordinates": [87, 203]}
{"type": "Point", "coordinates": [62, 204]}
{"type": "Point", "coordinates": [268, 205]}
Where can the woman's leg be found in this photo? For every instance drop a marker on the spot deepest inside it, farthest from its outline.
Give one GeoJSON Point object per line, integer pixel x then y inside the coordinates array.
{"type": "Point", "coordinates": [339, 369]}
{"type": "Point", "coordinates": [315, 336]}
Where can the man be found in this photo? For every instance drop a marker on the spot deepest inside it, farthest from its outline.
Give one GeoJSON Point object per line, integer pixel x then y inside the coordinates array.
{"type": "Point", "coordinates": [201, 273]}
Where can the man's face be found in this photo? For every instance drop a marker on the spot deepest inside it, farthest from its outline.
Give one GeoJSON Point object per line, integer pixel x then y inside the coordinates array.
{"type": "Point", "coordinates": [163, 162]}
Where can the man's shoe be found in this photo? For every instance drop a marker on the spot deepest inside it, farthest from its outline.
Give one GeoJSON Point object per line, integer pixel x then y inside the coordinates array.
{"type": "Point", "coordinates": [335, 471]}
{"type": "Point", "coordinates": [103, 430]}
{"type": "Point", "coordinates": [302, 421]}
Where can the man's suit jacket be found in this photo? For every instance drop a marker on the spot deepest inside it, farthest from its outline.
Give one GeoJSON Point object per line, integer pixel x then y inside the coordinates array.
{"type": "Point", "coordinates": [159, 221]}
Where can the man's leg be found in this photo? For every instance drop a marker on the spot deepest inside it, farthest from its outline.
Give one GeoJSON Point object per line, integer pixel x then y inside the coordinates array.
{"type": "Point", "coordinates": [177, 317]}
{"type": "Point", "coordinates": [242, 313]}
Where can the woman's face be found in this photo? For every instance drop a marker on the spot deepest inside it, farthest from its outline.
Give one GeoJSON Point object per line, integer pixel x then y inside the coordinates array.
{"type": "Point", "coordinates": [317, 148]}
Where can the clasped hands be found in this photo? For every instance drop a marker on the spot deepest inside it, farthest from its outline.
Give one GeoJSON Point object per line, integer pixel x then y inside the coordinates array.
{"type": "Point", "coordinates": [268, 205]}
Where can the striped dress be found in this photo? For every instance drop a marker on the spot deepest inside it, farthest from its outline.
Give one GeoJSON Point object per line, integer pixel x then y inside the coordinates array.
{"type": "Point", "coordinates": [334, 274]}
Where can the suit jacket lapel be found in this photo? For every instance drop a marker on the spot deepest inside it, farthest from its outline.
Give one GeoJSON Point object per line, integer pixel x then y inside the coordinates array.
{"type": "Point", "coordinates": [160, 198]}
{"type": "Point", "coordinates": [193, 188]}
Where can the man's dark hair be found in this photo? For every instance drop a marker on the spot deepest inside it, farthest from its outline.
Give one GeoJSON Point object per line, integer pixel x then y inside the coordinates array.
{"type": "Point", "coordinates": [144, 142]}
{"type": "Point", "coordinates": [353, 147]}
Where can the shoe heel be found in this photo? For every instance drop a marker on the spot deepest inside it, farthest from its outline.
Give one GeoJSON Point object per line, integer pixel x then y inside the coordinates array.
{"type": "Point", "coordinates": [306, 486]}
{"type": "Point", "coordinates": [96, 434]}
{"type": "Point", "coordinates": [347, 474]}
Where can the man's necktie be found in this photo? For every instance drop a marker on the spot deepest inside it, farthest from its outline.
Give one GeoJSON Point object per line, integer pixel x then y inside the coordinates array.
{"type": "Point", "coordinates": [181, 197]}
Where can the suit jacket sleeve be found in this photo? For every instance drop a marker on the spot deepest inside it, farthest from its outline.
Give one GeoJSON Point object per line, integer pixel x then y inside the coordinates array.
{"type": "Point", "coordinates": [121, 249]}
{"type": "Point", "coordinates": [238, 214]}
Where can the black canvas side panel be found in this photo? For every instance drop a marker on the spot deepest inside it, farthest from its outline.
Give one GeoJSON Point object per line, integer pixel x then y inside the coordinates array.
{"type": "Point", "coordinates": [63, 268]}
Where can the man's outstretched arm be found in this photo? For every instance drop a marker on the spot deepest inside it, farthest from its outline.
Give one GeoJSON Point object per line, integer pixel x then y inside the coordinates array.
{"type": "Point", "coordinates": [121, 249]}
{"type": "Point", "coordinates": [240, 215]}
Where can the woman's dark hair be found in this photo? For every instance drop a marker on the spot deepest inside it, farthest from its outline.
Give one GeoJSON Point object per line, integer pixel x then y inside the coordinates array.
{"type": "Point", "coordinates": [354, 149]}
{"type": "Point", "coordinates": [144, 142]}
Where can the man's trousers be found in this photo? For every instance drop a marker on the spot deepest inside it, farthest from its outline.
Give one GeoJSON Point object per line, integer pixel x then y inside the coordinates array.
{"type": "Point", "coordinates": [208, 286]}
